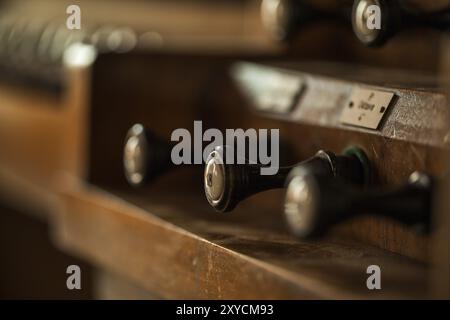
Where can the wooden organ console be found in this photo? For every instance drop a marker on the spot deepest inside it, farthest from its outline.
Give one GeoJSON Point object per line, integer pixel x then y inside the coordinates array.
{"type": "Point", "coordinates": [86, 119]}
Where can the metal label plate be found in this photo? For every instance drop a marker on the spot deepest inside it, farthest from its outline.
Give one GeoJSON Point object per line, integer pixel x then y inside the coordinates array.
{"type": "Point", "coordinates": [366, 108]}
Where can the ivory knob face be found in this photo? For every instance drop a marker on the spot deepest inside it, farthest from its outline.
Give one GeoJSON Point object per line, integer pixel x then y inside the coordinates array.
{"type": "Point", "coordinates": [277, 16]}
{"type": "Point", "coordinates": [362, 11]}
{"type": "Point", "coordinates": [214, 178]}
{"type": "Point", "coordinates": [135, 155]}
{"type": "Point", "coordinates": [300, 205]}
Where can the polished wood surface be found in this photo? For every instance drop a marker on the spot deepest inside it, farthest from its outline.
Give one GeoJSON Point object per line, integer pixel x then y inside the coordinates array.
{"type": "Point", "coordinates": [101, 226]}
{"type": "Point", "coordinates": [395, 151]}
{"type": "Point", "coordinates": [61, 158]}
{"type": "Point", "coordinates": [181, 256]}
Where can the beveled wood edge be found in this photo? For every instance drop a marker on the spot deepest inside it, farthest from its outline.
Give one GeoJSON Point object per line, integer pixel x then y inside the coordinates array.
{"type": "Point", "coordinates": [21, 194]}
{"type": "Point", "coordinates": [284, 284]}
{"type": "Point", "coordinates": [98, 198]}
{"type": "Point", "coordinates": [308, 111]}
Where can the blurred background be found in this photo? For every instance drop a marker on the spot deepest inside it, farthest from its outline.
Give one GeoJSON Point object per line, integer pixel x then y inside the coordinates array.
{"type": "Point", "coordinates": [68, 97]}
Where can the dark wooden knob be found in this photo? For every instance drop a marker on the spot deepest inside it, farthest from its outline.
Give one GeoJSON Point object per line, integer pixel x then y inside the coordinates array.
{"type": "Point", "coordinates": [314, 202]}
{"type": "Point", "coordinates": [279, 17]}
{"type": "Point", "coordinates": [145, 155]}
{"type": "Point", "coordinates": [373, 36]}
{"type": "Point", "coordinates": [228, 184]}
{"type": "Point", "coordinates": [283, 18]}
{"type": "Point", "coordinates": [395, 16]}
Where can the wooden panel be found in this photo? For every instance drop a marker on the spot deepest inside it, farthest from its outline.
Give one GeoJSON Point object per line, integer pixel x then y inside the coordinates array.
{"type": "Point", "coordinates": [180, 248]}
{"type": "Point", "coordinates": [42, 135]}
{"type": "Point", "coordinates": [211, 96]}
{"type": "Point", "coordinates": [441, 249]}
{"type": "Point", "coordinates": [110, 286]}
{"type": "Point", "coordinates": [186, 257]}
{"type": "Point", "coordinates": [31, 124]}
{"type": "Point", "coordinates": [418, 114]}
{"type": "Point", "coordinates": [77, 120]}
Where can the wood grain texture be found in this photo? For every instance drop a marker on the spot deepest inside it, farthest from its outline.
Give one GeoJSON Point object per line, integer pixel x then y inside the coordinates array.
{"type": "Point", "coordinates": [407, 143]}
{"type": "Point", "coordinates": [418, 114]}
{"type": "Point", "coordinates": [181, 257]}
{"type": "Point", "coordinates": [167, 239]}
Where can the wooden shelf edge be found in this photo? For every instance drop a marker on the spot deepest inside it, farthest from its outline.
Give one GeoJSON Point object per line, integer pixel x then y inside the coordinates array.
{"type": "Point", "coordinates": [175, 263]}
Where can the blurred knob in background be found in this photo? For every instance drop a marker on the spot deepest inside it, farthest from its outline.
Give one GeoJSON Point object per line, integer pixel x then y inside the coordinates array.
{"type": "Point", "coordinates": [228, 184]}
{"type": "Point", "coordinates": [394, 16]}
{"type": "Point", "coordinates": [314, 202]}
{"type": "Point", "coordinates": [362, 27]}
{"type": "Point", "coordinates": [279, 17]}
{"type": "Point", "coordinates": [283, 18]}
{"type": "Point", "coordinates": [145, 155]}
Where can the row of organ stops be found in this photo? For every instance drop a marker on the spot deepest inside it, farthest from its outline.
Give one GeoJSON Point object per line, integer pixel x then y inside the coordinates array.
{"type": "Point", "coordinates": [283, 18]}
{"type": "Point", "coordinates": [321, 191]}
{"type": "Point", "coordinates": [32, 50]}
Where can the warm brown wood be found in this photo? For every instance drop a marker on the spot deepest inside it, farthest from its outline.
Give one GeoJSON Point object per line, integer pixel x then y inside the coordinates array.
{"type": "Point", "coordinates": [42, 135]}
{"type": "Point", "coordinates": [110, 286]}
{"type": "Point", "coordinates": [441, 250]}
{"type": "Point", "coordinates": [418, 115]}
{"type": "Point", "coordinates": [76, 120]}
{"type": "Point", "coordinates": [231, 26]}
{"type": "Point", "coordinates": [413, 136]}
{"type": "Point", "coordinates": [166, 240]}
{"type": "Point", "coordinates": [31, 126]}
{"type": "Point", "coordinates": [185, 24]}
{"type": "Point", "coordinates": [181, 256]}
{"type": "Point", "coordinates": [398, 149]}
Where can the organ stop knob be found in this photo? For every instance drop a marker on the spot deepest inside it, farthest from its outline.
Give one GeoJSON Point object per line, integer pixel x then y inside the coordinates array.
{"type": "Point", "coordinates": [282, 18]}
{"type": "Point", "coordinates": [393, 16]}
{"type": "Point", "coordinates": [314, 202]}
{"type": "Point", "coordinates": [145, 155]}
{"type": "Point", "coordinates": [228, 184]}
